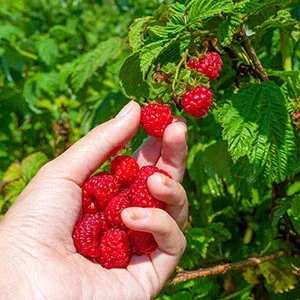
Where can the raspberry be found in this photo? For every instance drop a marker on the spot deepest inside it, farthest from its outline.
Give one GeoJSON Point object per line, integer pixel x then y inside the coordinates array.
{"type": "Point", "coordinates": [210, 65]}
{"type": "Point", "coordinates": [125, 193]}
{"type": "Point", "coordinates": [141, 197]}
{"type": "Point", "coordinates": [113, 211]}
{"type": "Point", "coordinates": [87, 234]}
{"type": "Point", "coordinates": [197, 102]}
{"type": "Point", "coordinates": [115, 250]}
{"type": "Point", "coordinates": [141, 242]}
{"type": "Point", "coordinates": [155, 118]}
{"type": "Point", "coordinates": [147, 171]}
{"type": "Point", "coordinates": [99, 189]}
{"type": "Point", "coordinates": [125, 168]}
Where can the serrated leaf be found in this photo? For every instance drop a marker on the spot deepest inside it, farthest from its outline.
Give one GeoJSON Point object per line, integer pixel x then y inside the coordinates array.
{"type": "Point", "coordinates": [89, 63]}
{"type": "Point", "coordinates": [219, 228]}
{"type": "Point", "coordinates": [257, 125]}
{"type": "Point", "coordinates": [12, 173]}
{"type": "Point", "coordinates": [12, 190]}
{"type": "Point", "coordinates": [31, 164]}
{"type": "Point", "coordinates": [132, 79]}
{"type": "Point", "coordinates": [48, 50]}
{"type": "Point", "coordinates": [251, 276]}
{"type": "Point", "coordinates": [34, 87]}
{"type": "Point", "coordinates": [229, 27]}
{"type": "Point", "coordinates": [278, 276]}
{"type": "Point", "coordinates": [152, 51]}
{"type": "Point", "coordinates": [202, 9]}
{"type": "Point", "coordinates": [136, 33]}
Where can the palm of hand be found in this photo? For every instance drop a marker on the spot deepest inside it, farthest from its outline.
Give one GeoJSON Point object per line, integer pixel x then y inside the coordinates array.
{"type": "Point", "coordinates": [45, 253]}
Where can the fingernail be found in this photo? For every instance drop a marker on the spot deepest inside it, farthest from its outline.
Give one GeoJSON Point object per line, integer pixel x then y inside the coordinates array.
{"type": "Point", "coordinates": [136, 213]}
{"type": "Point", "coordinates": [125, 110]}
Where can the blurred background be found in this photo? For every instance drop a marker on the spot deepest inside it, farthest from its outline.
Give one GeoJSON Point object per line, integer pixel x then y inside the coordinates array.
{"type": "Point", "coordinates": [59, 65]}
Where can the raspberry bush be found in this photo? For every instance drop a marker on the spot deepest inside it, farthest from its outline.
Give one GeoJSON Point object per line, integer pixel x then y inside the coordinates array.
{"type": "Point", "coordinates": [230, 67]}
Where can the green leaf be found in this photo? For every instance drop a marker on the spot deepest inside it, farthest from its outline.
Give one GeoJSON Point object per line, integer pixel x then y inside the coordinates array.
{"type": "Point", "coordinates": [202, 9]}
{"type": "Point", "coordinates": [12, 173]}
{"type": "Point", "coordinates": [132, 79]}
{"type": "Point", "coordinates": [257, 125]}
{"type": "Point", "coordinates": [278, 276]}
{"type": "Point", "coordinates": [229, 27]}
{"type": "Point", "coordinates": [31, 164]}
{"type": "Point", "coordinates": [136, 33]}
{"type": "Point", "coordinates": [48, 50]}
{"type": "Point", "coordinates": [8, 31]}
{"type": "Point", "coordinates": [91, 61]}
{"type": "Point", "coordinates": [13, 189]}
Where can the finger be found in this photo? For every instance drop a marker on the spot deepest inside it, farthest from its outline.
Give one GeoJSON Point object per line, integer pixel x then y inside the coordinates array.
{"type": "Point", "coordinates": [174, 150]}
{"type": "Point", "coordinates": [173, 194]}
{"type": "Point", "coordinates": [85, 156]}
{"type": "Point", "coordinates": [149, 152]}
{"type": "Point", "coordinates": [170, 240]}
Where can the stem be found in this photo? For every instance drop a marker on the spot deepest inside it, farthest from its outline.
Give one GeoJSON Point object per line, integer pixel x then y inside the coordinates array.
{"type": "Point", "coordinates": [178, 68]}
{"type": "Point", "coordinates": [286, 50]}
{"type": "Point", "coordinates": [225, 268]}
{"type": "Point", "coordinates": [258, 68]}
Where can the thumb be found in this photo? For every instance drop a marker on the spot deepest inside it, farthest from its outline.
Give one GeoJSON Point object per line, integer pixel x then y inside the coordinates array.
{"type": "Point", "coordinates": [85, 156]}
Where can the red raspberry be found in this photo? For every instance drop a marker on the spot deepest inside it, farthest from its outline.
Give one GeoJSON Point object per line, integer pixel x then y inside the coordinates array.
{"type": "Point", "coordinates": [197, 102]}
{"type": "Point", "coordinates": [99, 189]}
{"type": "Point", "coordinates": [141, 242]}
{"type": "Point", "coordinates": [210, 65]}
{"type": "Point", "coordinates": [141, 197]}
{"type": "Point", "coordinates": [147, 171]}
{"type": "Point", "coordinates": [125, 168]}
{"type": "Point", "coordinates": [155, 118]}
{"type": "Point", "coordinates": [125, 193]}
{"type": "Point", "coordinates": [115, 250]}
{"type": "Point", "coordinates": [87, 234]}
{"type": "Point", "coordinates": [113, 211]}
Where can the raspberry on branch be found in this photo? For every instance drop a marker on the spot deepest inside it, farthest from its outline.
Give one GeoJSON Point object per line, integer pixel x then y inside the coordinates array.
{"type": "Point", "coordinates": [197, 102]}
{"type": "Point", "coordinates": [155, 118]}
{"type": "Point", "coordinates": [210, 65]}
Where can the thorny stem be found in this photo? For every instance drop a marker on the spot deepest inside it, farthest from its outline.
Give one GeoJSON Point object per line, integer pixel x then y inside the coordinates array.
{"type": "Point", "coordinates": [226, 268]}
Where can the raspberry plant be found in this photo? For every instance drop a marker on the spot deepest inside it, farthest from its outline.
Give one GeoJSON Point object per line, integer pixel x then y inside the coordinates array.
{"type": "Point", "coordinates": [59, 69]}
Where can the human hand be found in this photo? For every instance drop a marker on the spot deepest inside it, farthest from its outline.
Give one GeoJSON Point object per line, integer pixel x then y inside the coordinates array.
{"type": "Point", "coordinates": [37, 257]}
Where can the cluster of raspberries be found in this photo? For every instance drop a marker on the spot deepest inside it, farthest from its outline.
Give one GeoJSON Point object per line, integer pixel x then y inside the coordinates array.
{"type": "Point", "coordinates": [100, 234]}
{"type": "Point", "coordinates": [196, 102]}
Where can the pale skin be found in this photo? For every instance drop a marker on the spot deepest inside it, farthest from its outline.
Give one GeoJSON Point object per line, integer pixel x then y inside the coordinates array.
{"type": "Point", "coordinates": [37, 257]}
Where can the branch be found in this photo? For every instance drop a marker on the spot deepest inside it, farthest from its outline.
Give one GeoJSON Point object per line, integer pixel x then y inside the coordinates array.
{"type": "Point", "coordinates": [225, 268]}
{"type": "Point", "coordinates": [258, 68]}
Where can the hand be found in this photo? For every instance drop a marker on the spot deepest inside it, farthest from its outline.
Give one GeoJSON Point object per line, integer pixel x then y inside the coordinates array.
{"type": "Point", "coordinates": [37, 257]}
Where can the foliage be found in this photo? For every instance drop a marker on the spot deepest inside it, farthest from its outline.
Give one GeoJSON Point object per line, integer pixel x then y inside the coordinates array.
{"type": "Point", "coordinates": [66, 66]}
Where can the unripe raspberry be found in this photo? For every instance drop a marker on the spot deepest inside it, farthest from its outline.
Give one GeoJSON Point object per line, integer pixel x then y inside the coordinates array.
{"type": "Point", "coordinates": [87, 234]}
{"type": "Point", "coordinates": [115, 249]}
{"type": "Point", "coordinates": [99, 189]}
{"type": "Point", "coordinates": [197, 102]}
{"type": "Point", "coordinates": [155, 118]}
{"type": "Point", "coordinates": [141, 242]}
{"type": "Point", "coordinates": [210, 65]}
{"type": "Point", "coordinates": [125, 168]}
